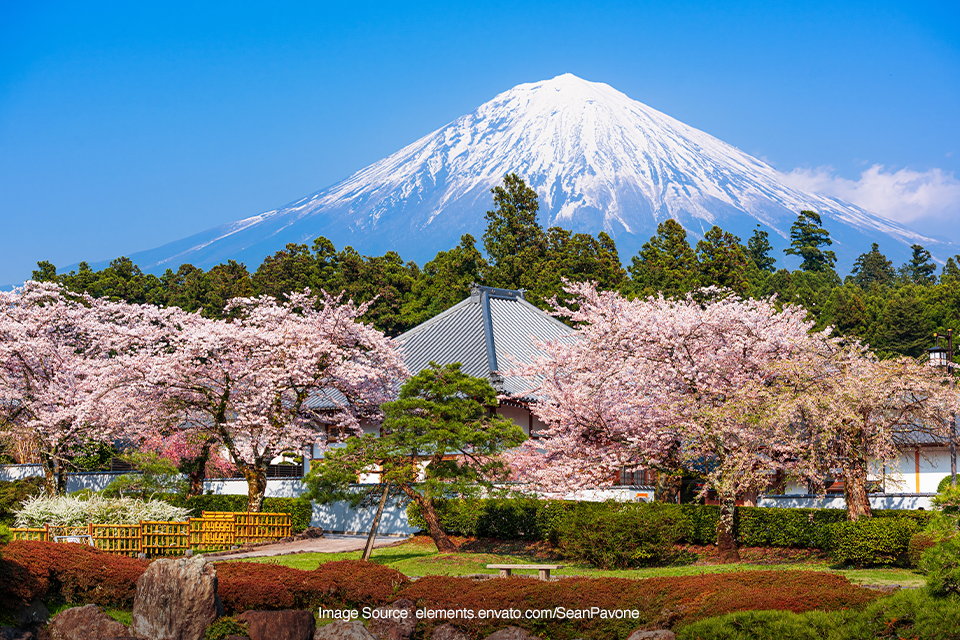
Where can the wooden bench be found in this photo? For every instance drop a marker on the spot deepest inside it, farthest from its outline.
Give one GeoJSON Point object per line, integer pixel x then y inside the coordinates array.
{"type": "Point", "coordinates": [544, 569]}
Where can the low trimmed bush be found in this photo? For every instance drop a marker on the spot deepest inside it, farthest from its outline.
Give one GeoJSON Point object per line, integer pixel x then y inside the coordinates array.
{"type": "Point", "coordinates": [58, 572]}
{"type": "Point", "coordinates": [660, 602]}
{"type": "Point", "coordinates": [245, 586]}
{"type": "Point", "coordinates": [632, 535]}
{"type": "Point", "coordinates": [909, 613]}
{"type": "Point", "coordinates": [871, 543]}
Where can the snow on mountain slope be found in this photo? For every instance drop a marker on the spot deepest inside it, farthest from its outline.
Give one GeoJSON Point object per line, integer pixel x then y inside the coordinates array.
{"type": "Point", "coordinates": [599, 160]}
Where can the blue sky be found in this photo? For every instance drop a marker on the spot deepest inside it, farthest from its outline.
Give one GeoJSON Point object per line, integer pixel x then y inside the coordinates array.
{"type": "Point", "coordinates": [127, 125]}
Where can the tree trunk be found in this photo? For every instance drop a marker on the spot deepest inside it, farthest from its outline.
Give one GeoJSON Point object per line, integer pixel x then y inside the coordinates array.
{"type": "Point", "coordinates": [726, 542]}
{"type": "Point", "coordinates": [855, 491]}
{"type": "Point", "coordinates": [55, 476]}
{"type": "Point", "coordinates": [256, 486]}
{"type": "Point", "coordinates": [668, 488]}
{"type": "Point", "coordinates": [197, 471]}
{"type": "Point", "coordinates": [444, 544]}
{"type": "Point", "coordinates": [368, 550]}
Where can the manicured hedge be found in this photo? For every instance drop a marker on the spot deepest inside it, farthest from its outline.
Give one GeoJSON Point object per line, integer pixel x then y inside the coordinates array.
{"type": "Point", "coordinates": [660, 602]}
{"type": "Point", "coordinates": [637, 535]}
{"type": "Point", "coordinates": [244, 586]}
{"type": "Point", "coordinates": [63, 572]}
{"type": "Point", "coordinates": [300, 509]}
{"type": "Point", "coordinates": [872, 542]}
{"type": "Point", "coordinates": [530, 519]}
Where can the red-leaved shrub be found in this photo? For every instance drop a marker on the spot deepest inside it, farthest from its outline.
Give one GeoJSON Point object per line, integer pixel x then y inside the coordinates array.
{"type": "Point", "coordinates": [246, 585]}
{"type": "Point", "coordinates": [661, 602]}
{"type": "Point", "coordinates": [66, 572]}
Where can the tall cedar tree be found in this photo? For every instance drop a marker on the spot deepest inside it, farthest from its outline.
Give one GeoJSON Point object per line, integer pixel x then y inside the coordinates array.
{"type": "Point", "coordinates": [441, 437]}
{"type": "Point", "coordinates": [807, 235]}
{"type": "Point", "coordinates": [514, 240]}
{"type": "Point", "coordinates": [758, 249]}
{"type": "Point", "coordinates": [920, 270]}
{"type": "Point", "coordinates": [951, 269]}
{"type": "Point", "coordinates": [666, 263]}
{"type": "Point", "coordinates": [722, 260]}
{"type": "Point", "coordinates": [872, 268]}
{"type": "Point", "coordinates": [445, 281]}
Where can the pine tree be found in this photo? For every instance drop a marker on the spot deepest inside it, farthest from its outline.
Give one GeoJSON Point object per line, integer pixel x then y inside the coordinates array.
{"type": "Point", "coordinates": [758, 249]}
{"type": "Point", "coordinates": [807, 235]}
{"type": "Point", "coordinates": [872, 268]}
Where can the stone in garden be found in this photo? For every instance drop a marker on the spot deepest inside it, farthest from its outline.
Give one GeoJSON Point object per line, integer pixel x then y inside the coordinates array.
{"type": "Point", "coordinates": [84, 623]}
{"type": "Point", "coordinates": [279, 625]}
{"type": "Point", "coordinates": [448, 632]}
{"type": "Point", "coordinates": [13, 633]}
{"type": "Point", "coordinates": [34, 613]}
{"type": "Point", "coordinates": [311, 532]}
{"type": "Point", "coordinates": [175, 600]}
{"type": "Point", "coordinates": [656, 634]}
{"type": "Point", "coordinates": [343, 630]}
{"type": "Point", "coordinates": [512, 633]}
{"type": "Point", "coordinates": [396, 621]}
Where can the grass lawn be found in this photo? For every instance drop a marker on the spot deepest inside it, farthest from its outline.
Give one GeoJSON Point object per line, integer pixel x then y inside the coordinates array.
{"type": "Point", "coordinates": [419, 557]}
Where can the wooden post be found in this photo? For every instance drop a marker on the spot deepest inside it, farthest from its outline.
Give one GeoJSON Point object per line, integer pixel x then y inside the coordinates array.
{"type": "Point", "coordinates": [46, 532]}
{"type": "Point", "coordinates": [368, 550]}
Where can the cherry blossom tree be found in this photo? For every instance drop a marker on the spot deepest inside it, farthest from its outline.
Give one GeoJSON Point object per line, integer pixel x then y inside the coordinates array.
{"type": "Point", "coordinates": [195, 452]}
{"type": "Point", "coordinates": [666, 384]}
{"type": "Point", "coordinates": [63, 360]}
{"type": "Point", "coordinates": [857, 412]}
{"type": "Point", "coordinates": [245, 382]}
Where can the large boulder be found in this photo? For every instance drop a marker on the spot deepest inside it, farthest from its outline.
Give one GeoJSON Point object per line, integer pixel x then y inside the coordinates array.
{"type": "Point", "coordinates": [448, 632]}
{"type": "Point", "coordinates": [279, 625]}
{"type": "Point", "coordinates": [84, 623]}
{"type": "Point", "coordinates": [512, 633]}
{"type": "Point", "coordinates": [343, 630]}
{"type": "Point", "coordinates": [395, 621]}
{"type": "Point", "coordinates": [175, 600]}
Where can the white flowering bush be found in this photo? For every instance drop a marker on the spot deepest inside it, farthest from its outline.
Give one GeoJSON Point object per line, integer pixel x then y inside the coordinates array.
{"type": "Point", "coordinates": [66, 511]}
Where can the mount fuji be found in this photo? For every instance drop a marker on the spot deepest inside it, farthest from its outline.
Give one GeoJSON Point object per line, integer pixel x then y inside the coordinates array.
{"type": "Point", "coordinates": [599, 161]}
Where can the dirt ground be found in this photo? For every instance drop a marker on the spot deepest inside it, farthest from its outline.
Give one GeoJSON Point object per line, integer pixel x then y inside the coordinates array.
{"type": "Point", "coordinates": [329, 543]}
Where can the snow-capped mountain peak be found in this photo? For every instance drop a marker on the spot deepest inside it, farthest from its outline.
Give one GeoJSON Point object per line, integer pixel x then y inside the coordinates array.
{"type": "Point", "coordinates": [599, 160]}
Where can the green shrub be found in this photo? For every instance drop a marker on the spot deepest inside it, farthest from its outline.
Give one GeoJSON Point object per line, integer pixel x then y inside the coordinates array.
{"type": "Point", "coordinates": [223, 627]}
{"type": "Point", "coordinates": [13, 493]}
{"type": "Point", "coordinates": [773, 527]}
{"type": "Point", "coordinates": [871, 542]}
{"type": "Point", "coordinates": [627, 535]}
{"type": "Point", "coordinates": [910, 613]}
{"type": "Point", "coordinates": [941, 563]}
{"type": "Point", "coordinates": [945, 483]}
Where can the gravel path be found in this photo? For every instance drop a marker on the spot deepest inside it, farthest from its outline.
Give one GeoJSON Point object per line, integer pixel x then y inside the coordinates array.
{"type": "Point", "coordinates": [329, 543]}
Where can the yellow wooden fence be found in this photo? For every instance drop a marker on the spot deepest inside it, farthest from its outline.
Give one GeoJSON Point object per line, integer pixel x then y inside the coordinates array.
{"type": "Point", "coordinates": [214, 530]}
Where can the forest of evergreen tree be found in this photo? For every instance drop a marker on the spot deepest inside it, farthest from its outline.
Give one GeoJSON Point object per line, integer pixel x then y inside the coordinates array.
{"type": "Point", "coordinates": [894, 309]}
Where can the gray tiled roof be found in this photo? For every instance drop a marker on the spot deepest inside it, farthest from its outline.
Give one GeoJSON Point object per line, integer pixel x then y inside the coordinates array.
{"type": "Point", "coordinates": [486, 333]}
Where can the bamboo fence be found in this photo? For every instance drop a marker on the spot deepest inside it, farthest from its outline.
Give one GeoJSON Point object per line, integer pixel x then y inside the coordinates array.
{"type": "Point", "coordinates": [213, 531]}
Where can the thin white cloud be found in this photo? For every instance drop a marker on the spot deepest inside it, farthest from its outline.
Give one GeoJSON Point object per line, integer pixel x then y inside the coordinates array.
{"type": "Point", "coordinates": [905, 195]}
